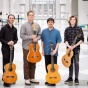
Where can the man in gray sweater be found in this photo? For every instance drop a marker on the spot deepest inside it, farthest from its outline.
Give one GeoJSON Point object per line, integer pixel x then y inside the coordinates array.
{"type": "Point", "coordinates": [26, 33]}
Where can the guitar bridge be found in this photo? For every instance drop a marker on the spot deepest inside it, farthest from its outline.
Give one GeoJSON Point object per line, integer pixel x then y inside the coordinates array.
{"type": "Point", "coordinates": [52, 77]}
{"type": "Point", "coordinates": [10, 76]}
{"type": "Point", "coordinates": [34, 56]}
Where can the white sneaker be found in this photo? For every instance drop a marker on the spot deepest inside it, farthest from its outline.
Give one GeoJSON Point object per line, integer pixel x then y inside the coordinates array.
{"type": "Point", "coordinates": [27, 82]}
{"type": "Point", "coordinates": [34, 81]}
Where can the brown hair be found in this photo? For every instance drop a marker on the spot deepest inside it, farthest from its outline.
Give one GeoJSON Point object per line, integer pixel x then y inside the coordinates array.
{"type": "Point", "coordinates": [30, 12]}
{"type": "Point", "coordinates": [71, 18]}
{"type": "Point", "coordinates": [11, 15]}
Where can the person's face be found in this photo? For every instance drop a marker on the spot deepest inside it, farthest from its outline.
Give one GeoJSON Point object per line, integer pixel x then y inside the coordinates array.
{"type": "Point", "coordinates": [31, 16]}
{"type": "Point", "coordinates": [50, 24]}
{"type": "Point", "coordinates": [11, 19]}
{"type": "Point", "coordinates": [73, 21]}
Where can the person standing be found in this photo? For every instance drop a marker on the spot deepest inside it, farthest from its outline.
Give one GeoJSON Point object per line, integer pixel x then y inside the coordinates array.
{"type": "Point", "coordinates": [8, 37]}
{"type": "Point", "coordinates": [26, 33]}
{"type": "Point", "coordinates": [49, 36]}
{"type": "Point", "coordinates": [69, 35]}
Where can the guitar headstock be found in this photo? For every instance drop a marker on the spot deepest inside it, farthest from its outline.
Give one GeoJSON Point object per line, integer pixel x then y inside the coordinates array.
{"type": "Point", "coordinates": [52, 47]}
{"type": "Point", "coordinates": [34, 26]}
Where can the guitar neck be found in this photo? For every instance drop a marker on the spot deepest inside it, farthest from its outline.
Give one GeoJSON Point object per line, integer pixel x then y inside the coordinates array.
{"type": "Point", "coordinates": [10, 66]}
{"type": "Point", "coordinates": [52, 61]}
{"type": "Point", "coordinates": [74, 41]}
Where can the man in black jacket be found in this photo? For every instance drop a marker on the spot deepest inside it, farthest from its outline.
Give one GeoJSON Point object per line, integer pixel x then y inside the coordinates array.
{"type": "Point", "coordinates": [8, 37]}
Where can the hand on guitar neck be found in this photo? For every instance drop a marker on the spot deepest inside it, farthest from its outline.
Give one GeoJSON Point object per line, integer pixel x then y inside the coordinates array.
{"type": "Point", "coordinates": [34, 54]}
{"type": "Point", "coordinates": [10, 76]}
{"type": "Point", "coordinates": [52, 76]}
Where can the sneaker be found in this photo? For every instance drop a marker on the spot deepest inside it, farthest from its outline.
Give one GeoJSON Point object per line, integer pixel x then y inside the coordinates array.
{"type": "Point", "coordinates": [69, 80]}
{"type": "Point", "coordinates": [46, 83]}
{"type": "Point", "coordinates": [51, 84]}
{"type": "Point", "coordinates": [34, 81]}
{"type": "Point", "coordinates": [76, 81]}
{"type": "Point", "coordinates": [27, 82]}
{"type": "Point", "coordinates": [6, 85]}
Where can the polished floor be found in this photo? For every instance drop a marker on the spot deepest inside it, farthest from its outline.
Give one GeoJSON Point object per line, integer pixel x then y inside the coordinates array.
{"type": "Point", "coordinates": [40, 66]}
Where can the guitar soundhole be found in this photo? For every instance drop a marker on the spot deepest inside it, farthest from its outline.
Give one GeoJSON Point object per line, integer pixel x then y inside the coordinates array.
{"type": "Point", "coordinates": [10, 69]}
{"type": "Point", "coordinates": [52, 69]}
{"type": "Point", "coordinates": [66, 61]}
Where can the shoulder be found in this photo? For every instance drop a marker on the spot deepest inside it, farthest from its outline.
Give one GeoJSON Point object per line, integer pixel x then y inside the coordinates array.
{"type": "Point", "coordinates": [15, 28]}
{"type": "Point", "coordinates": [24, 24]}
{"type": "Point", "coordinates": [4, 27]}
{"type": "Point", "coordinates": [79, 28]}
{"type": "Point", "coordinates": [56, 31]}
{"type": "Point", "coordinates": [44, 30]}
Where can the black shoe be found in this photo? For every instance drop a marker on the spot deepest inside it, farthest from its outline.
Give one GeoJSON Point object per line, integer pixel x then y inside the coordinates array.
{"type": "Point", "coordinates": [69, 80]}
{"type": "Point", "coordinates": [51, 84]}
{"type": "Point", "coordinates": [76, 81]}
{"type": "Point", "coordinates": [6, 85]}
{"type": "Point", "coordinates": [46, 83]}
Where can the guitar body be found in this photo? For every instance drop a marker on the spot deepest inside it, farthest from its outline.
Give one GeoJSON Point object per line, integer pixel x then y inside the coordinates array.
{"type": "Point", "coordinates": [34, 55]}
{"type": "Point", "coordinates": [66, 59]}
{"type": "Point", "coordinates": [10, 77]}
{"type": "Point", "coordinates": [53, 77]}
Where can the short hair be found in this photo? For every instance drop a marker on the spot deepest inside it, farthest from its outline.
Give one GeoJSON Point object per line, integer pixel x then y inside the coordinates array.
{"type": "Point", "coordinates": [75, 19]}
{"type": "Point", "coordinates": [11, 15]}
{"type": "Point", "coordinates": [50, 19]}
{"type": "Point", "coordinates": [30, 11]}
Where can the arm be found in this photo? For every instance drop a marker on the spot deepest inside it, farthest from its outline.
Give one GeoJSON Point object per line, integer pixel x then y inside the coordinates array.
{"type": "Point", "coordinates": [58, 41]}
{"type": "Point", "coordinates": [15, 38]}
{"type": "Point", "coordinates": [42, 44]}
{"type": "Point", "coordinates": [2, 32]}
{"type": "Point", "coordinates": [23, 34]}
{"type": "Point", "coordinates": [39, 33]}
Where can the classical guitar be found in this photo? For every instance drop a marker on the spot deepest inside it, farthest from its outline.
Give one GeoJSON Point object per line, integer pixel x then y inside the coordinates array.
{"type": "Point", "coordinates": [52, 76]}
{"type": "Point", "coordinates": [66, 59]}
{"type": "Point", "coordinates": [34, 54]}
{"type": "Point", "coordinates": [9, 75]}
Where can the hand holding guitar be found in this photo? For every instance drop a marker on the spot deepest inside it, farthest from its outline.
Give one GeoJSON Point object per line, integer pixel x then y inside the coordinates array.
{"type": "Point", "coordinates": [11, 43]}
{"type": "Point", "coordinates": [34, 36]}
{"type": "Point", "coordinates": [53, 52]}
{"type": "Point", "coordinates": [35, 40]}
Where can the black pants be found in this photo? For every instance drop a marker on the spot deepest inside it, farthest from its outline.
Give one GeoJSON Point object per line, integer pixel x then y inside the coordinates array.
{"type": "Point", "coordinates": [48, 60]}
{"type": "Point", "coordinates": [6, 56]}
{"type": "Point", "coordinates": [75, 61]}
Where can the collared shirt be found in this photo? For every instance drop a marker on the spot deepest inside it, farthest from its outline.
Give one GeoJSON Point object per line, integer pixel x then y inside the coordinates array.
{"type": "Point", "coordinates": [70, 34]}
{"type": "Point", "coordinates": [7, 34]}
{"type": "Point", "coordinates": [26, 33]}
{"type": "Point", "coordinates": [50, 37]}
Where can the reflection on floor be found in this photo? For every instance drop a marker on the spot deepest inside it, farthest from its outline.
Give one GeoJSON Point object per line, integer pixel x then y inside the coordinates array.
{"type": "Point", "coordinates": [40, 66]}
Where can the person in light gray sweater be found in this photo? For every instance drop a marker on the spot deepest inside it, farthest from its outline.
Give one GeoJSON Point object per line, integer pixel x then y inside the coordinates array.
{"type": "Point", "coordinates": [28, 36]}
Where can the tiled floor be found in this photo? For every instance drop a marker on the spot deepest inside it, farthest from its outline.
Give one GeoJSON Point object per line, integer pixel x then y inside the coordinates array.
{"type": "Point", "coordinates": [40, 67]}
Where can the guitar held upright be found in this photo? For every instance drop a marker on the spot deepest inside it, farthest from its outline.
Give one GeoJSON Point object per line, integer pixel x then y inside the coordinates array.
{"type": "Point", "coordinates": [9, 75]}
{"type": "Point", "coordinates": [52, 76]}
{"type": "Point", "coordinates": [34, 54]}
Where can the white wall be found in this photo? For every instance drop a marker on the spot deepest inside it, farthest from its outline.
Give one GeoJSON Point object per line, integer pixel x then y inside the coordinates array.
{"type": "Point", "coordinates": [83, 12]}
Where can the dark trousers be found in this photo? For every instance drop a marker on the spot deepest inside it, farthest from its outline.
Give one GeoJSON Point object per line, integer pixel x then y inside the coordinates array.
{"type": "Point", "coordinates": [48, 60]}
{"type": "Point", "coordinates": [6, 56]}
{"type": "Point", "coordinates": [75, 61]}
{"type": "Point", "coordinates": [29, 68]}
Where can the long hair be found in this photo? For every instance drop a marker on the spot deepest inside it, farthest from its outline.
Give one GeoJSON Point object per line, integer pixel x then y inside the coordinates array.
{"type": "Point", "coordinates": [75, 19]}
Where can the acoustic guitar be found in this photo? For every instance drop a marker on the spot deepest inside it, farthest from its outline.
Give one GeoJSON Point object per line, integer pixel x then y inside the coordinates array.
{"type": "Point", "coordinates": [52, 76]}
{"type": "Point", "coordinates": [9, 75]}
{"type": "Point", "coordinates": [66, 59]}
{"type": "Point", "coordinates": [34, 54]}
